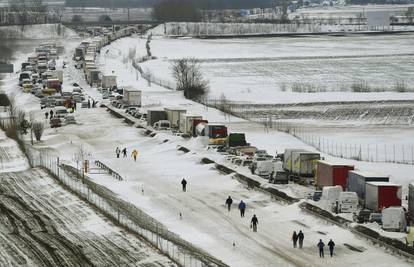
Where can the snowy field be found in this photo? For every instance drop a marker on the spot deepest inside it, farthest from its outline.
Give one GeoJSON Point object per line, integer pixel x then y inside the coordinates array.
{"type": "Point", "coordinates": [284, 70]}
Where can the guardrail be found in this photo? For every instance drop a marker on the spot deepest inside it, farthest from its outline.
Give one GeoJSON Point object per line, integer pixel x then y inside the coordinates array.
{"type": "Point", "coordinates": [109, 170]}
{"type": "Point", "coordinates": [124, 213]}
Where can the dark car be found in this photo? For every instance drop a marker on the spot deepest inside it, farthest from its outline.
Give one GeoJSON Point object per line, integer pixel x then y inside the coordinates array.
{"type": "Point", "coordinates": [55, 123]}
{"type": "Point", "coordinates": [317, 196]}
{"type": "Point", "coordinates": [362, 216]}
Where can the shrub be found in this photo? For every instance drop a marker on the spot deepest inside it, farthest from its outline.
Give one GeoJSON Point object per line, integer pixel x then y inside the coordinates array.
{"type": "Point", "coordinates": [38, 128]}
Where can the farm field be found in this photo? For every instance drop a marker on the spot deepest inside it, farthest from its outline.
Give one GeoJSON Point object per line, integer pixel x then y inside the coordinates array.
{"type": "Point", "coordinates": [293, 70]}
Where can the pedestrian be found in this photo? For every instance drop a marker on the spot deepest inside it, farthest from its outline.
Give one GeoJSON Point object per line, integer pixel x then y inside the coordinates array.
{"type": "Point", "coordinates": [117, 151]}
{"type": "Point", "coordinates": [271, 177]}
{"type": "Point", "coordinates": [294, 239]}
{"type": "Point", "coordinates": [124, 152]}
{"type": "Point", "coordinates": [331, 246]}
{"type": "Point", "coordinates": [301, 236]}
{"type": "Point", "coordinates": [46, 115]}
{"type": "Point", "coordinates": [135, 154]}
{"type": "Point", "coordinates": [89, 103]}
{"type": "Point", "coordinates": [254, 222]}
{"type": "Point", "coordinates": [242, 208]}
{"type": "Point", "coordinates": [74, 105]}
{"type": "Point", "coordinates": [229, 201]}
{"type": "Point", "coordinates": [320, 246]}
{"type": "Point", "coordinates": [184, 184]}
{"type": "Point", "coordinates": [51, 113]}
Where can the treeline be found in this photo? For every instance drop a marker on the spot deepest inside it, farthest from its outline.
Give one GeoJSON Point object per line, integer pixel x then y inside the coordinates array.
{"type": "Point", "coordinates": [201, 4]}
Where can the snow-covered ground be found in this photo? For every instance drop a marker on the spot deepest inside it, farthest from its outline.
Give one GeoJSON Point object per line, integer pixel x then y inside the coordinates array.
{"type": "Point", "coordinates": [153, 182]}
{"type": "Point", "coordinates": [266, 70]}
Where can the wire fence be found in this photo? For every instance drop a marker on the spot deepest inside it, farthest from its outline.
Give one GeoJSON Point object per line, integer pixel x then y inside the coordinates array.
{"type": "Point", "coordinates": [150, 77]}
{"type": "Point", "coordinates": [394, 153]}
{"type": "Point", "coordinates": [126, 214]}
{"type": "Point", "coordinates": [373, 152]}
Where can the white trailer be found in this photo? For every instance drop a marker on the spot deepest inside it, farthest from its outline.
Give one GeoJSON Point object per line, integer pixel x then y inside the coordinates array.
{"type": "Point", "coordinates": [173, 116]}
{"type": "Point", "coordinates": [186, 122]}
{"type": "Point", "coordinates": [108, 81]}
{"type": "Point", "coordinates": [132, 96]}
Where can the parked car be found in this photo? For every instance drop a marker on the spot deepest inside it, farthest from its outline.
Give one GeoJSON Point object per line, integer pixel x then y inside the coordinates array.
{"type": "Point", "coordinates": [317, 196]}
{"type": "Point", "coordinates": [362, 216]}
{"type": "Point", "coordinates": [61, 112]}
{"type": "Point", "coordinates": [375, 217]}
{"type": "Point", "coordinates": [55, 122]}
{"type": "Point", "coordinates": [70, 119]}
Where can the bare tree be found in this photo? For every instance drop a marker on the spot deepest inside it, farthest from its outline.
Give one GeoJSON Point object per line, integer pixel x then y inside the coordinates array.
{"type": "Point", "coordinates": [188, 76]}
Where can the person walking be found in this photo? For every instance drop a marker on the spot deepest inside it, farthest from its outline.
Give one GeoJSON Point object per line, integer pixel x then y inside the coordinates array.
{"type": "Point", "coordinates": [294, 239]}
{"type": "Point", "coordinates": [89, 103]}
{"type": "Point", "coordinates": [117, 151]}
{"type": "Point", "coordinates": [254, 222]}
{"type": "Point", "coordinates": [124, 152]}
{"type": "Point", "coordinates": [331, 246]}
{"type": "Point", "coordinates": [51, 113]}
{"type": "Point", "coordinates": [301, 236]}
{"type": "Point", "coordinates": [47, 115]}
{"type": "Point", "coordinates": [229, 201]}
{"type": "Point", "coordinates": [321, 245]}
{"type": "Point", "coordinates": [135, 154]}
{"type": "Point", "coordinates": [184, 184]}
{"type": "Point", "coordinates": [242, 208]}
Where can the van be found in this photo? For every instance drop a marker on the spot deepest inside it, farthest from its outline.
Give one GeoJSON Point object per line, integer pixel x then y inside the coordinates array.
{"type": "Point", "coordinates": [348, 202]}
{"type": "Point", "coordinates": [330, 196]}
{"type": "Point", "coordinates": [162, 125]}
{"type": "Point", "coordinates": [393, 219]}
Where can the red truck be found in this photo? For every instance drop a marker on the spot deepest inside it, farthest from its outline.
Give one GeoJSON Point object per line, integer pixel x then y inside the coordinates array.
{"type": "Point", "coordinates": [331, 174]}
{"type": "Point", "coordinates": [381, 195]}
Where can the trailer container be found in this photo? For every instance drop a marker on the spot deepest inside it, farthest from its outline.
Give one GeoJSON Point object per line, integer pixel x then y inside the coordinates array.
{"type": "Point", "coordinates": [186, 122]}
{"type": "Point", "coordinates": [357, 180]}
{"type": "Point", "coordinates": [287, 158]}
{"type": "Point", "coordinates": [411, 201]}
{"type": "Point", "coordinates": [155, 115]}
{"type": "Point", "coordinates": [304, 163]}
{"type": "Point", "coordinates": [380, 195]}
{"type": "Point", "coordinates": [94, 77]}
{"type": "Point", "coordinates": [331, 174]}
{"type": "Point", "coordinates": [132, 97]}
{"type": "Point", "coordinates": [173, 116]}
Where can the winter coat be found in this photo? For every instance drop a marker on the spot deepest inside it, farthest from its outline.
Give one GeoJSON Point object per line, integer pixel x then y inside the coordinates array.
{"type": "Point", "coordinates": [134, 153]}
{"type": "Point", "coordinates": [229, 201]}
{"type": "Point", "coordinates": [331, 244]}
{"type": "Point", "coordinates": [242, 206]}
{"type": "Point", "coordinates": [294, 236]}
{"type": "Point", "coordinates": [301, 236]}
{"type": "Point", "coordinates": [254, 220]}
{"type": "Point", "coordinates": [321, 245]}
{"type": "Point", "coordinates": [184, 182]}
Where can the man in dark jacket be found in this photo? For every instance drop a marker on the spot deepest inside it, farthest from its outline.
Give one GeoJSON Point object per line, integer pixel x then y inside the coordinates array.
{"type": "Point", "coordinates": [294, 239]}
{"type": "Point", "coordinates": [184, 184]}
{"type": "Point", "coordinates": [51, 113]}
{"type": "Point", "coordinates": [124, 152]}
{"type": "Point", "coordinates": [254, 222]}
{"type": "Point", "coordinates": [331, 246]}
{"type": "Point", "coordinates": [301, 236]}
{"type": "Point", "coordinates": [229, 201]}
{"type": "Point", "coordinates": [242, 208]}
{"type": "Point", "coordinates": [320, 246]}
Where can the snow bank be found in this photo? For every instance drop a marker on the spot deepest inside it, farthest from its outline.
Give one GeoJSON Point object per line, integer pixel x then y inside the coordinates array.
{"type": "Point", "coordinates": [41, 31]}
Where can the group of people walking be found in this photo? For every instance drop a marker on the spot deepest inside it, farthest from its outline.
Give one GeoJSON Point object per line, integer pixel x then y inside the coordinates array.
{"type": "Point", "coordinates": [242, 208]}
{"type": "Point", "coordinates": [321, 245]}
{"type": "Point", "coordinates": [118, 152]}
{"type": "Point", "coordinates": [298, 237]}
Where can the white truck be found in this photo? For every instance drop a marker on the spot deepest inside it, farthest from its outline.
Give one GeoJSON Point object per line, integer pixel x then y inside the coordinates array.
{"type": "Point", "coordinates": [186, 122]}
{"type": "Point", "coordinates": [132, 96]}
{"type": "Point", "coordinates": [393, 219]}
{"type": "Point", "coordinates": [348, 202]}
